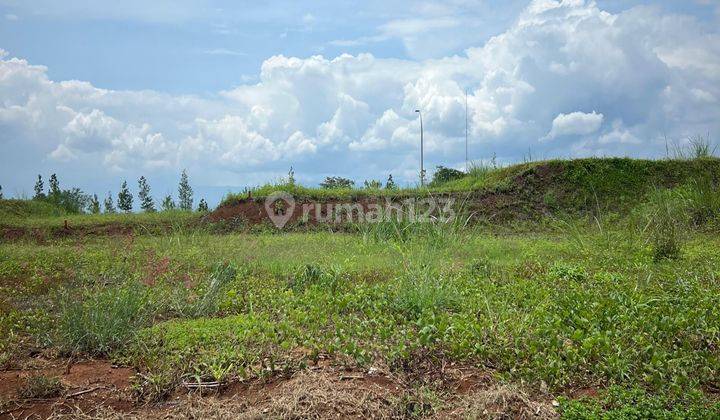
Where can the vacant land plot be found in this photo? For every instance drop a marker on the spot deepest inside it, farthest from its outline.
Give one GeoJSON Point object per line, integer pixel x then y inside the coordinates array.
{"type": "Point", "coordinates": [611, 315]}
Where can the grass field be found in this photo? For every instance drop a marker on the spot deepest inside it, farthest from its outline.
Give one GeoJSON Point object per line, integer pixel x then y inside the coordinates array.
{"type": "Point", "coordinates": [602, 316]}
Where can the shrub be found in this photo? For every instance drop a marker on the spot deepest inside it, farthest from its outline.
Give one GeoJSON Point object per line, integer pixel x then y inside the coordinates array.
{"type": "Point", "coordinates": [104, 320]}
{"type": "Point", "coordinates": [443, 175]}
{"type": "Point", "coordinates": [333, 182]}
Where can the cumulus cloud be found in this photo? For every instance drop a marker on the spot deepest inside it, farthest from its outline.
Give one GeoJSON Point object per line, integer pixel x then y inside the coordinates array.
{"type": "Point", "coordinates": [575, 123]}
{"type": "Point", "coordinates": [559, 74]}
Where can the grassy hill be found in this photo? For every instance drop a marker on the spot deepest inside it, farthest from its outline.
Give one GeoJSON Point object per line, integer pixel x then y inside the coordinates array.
{"type": "Point", "coordinates": [565, 184]}
{"type": "Point", "coordinates": [20, 209]}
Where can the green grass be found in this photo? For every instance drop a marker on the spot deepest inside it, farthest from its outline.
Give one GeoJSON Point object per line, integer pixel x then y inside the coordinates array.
{"type": "Point", "coordinates": [139, 223]}
{"type": "Point", "coordinates": [538, 308]}
{"type": "Point", "coordinates": [21, 209]}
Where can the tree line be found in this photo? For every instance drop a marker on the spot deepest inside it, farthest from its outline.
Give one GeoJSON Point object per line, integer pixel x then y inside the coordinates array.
{"type": "Point", "coordinates": [73, 200]}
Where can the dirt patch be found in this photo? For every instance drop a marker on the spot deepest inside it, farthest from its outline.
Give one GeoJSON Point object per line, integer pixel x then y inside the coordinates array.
{"type": "Point", "coordinates": [97, 390]}
{"type": "Point", "coordinates": [86, 385]}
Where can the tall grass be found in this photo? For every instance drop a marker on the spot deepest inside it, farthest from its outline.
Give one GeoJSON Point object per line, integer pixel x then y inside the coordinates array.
{"type": "Point", "coordinates": [408, 225]}
{"type": "Point", "coordinates": [702, 199]}
{"type": "Point", "coordinates": [102, 319]}
{"type": "Point", "coordinates": [697, 147]}
{"type": "Point", "coordinates": [421, 290]}
{"type": "Point", "coordinates": [221, 275]}
{"type": "Point", "coordinates": [666, 220]}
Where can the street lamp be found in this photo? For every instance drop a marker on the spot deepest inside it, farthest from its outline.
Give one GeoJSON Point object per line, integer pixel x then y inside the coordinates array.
{"type": "Point", "coordinates": [422, 170]}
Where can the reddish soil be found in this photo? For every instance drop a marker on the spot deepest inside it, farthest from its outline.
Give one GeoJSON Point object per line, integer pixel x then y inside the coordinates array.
{"type": "Point", "coordinates": [86, 384]}
{"type": "Point", "coordinates": [98, 389]}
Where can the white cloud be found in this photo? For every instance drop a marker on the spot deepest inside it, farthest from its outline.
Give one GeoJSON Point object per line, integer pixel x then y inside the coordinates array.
{"type": "Point", "coordinates": [575, 123]}
{"type": "Point", "coordinates": [11, 17]}
{"type": "Point", "coordinates": [224, 51]}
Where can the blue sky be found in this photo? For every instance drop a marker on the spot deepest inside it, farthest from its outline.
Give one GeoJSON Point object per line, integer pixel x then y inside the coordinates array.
{"type": "Point", "coordinates": [237, 92]}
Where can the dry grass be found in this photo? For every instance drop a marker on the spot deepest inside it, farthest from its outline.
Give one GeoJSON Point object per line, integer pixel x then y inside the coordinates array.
{"type": "Point", "coordinates": [501, 402]}
{"type": "Point", "coordinates": [325, 395]}
{"type": "Point", "coordinates": [308, 395]}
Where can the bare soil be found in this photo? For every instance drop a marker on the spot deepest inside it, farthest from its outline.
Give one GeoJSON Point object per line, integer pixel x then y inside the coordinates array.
{"type": "Point", "coordinates": [98, 390]}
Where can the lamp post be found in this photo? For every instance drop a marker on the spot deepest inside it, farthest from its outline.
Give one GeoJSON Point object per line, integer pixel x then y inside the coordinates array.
{"type": "Point", "coordinates": [422, 170]}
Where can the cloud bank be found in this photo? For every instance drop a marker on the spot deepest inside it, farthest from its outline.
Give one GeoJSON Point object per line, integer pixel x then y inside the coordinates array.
{"type": "Point", "coordinates": [565, 79]}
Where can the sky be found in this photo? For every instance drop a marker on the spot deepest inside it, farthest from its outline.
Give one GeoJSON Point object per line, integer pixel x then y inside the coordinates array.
{"type": "Point", "coordinates": [238, 92]}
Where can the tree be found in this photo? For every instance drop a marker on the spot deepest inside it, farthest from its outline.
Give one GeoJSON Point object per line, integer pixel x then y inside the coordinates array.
{"type": "Point", "coordinates": [1, 196]}
{"type": "Point", "coordinates": [185, 193]}
{"type": "Point", "coordinates": [332, 182]}
{"type": "Point", "coordinates": [372, 185]}
{"type": "Point", "coordinates": [94, 206]}
{"type": "Point", "coordinates": [73, 201]}
{"type": "Point", "coordinates": [125, 198]}
{"type": "Point", "coordinates": [39, 188]}
{"type": "Point", "coordinates": [168, 203]}
{"type": "Point", "coordinates": [108, 204]}
{"type": "Point", "coordinates": [443, 175]}
{"type": "Point", "coordinates": [203, 206]}
{"type": "Point", "coordinates": [390, 184]}
{"type": "Point", "coordinates": [54, 190]}
{"type": "Point", "coordinates": [146, 201]}
{"type": "Point", "coordinates": [291, 176]}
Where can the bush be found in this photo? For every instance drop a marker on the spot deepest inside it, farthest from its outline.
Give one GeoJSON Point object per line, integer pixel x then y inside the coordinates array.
{"type": "Point", "coordinates": [443, 175]}
{"type": "Point", "coordinates": [333, 182]}
{"type": "Point", "coordinates": [104, 320]}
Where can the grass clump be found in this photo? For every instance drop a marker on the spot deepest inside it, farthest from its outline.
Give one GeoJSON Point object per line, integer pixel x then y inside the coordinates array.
{"type": "Point", "coordinates": [666, 222]}
{"type": "Point", "coordinates": [41, 386]}
{"type": "Point", "coordinates": [702, 200]}
{"type": "Point", "coordinates": [103, 319]}
{"type": "Point", "coordinates": [221, 275]}
{"type": "Point", "coordinates": [421, 291]}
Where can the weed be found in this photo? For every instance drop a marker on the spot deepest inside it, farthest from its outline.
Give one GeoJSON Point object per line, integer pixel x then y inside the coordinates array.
{"type": "Point", "coordinates": [422, 291]}
{"type": "Point", "coordinates": [568, 272]}
{"type": "Point", "coordinates": [701, 147]}
{"type": "Point", "coordinates": [102, 320]}
{"type": "Point", "coordinates": [208, 304]}
{"type": "Point", "coordinates": [665, 215]}
{"type": "Point", "coordinates": [41, 386]}
{"type": "Point", "coordinates": [634, 403]}
{"type": "Point", "coordinates": [421, 402]}
{"type": "Point", "coordinates": [702, 199]}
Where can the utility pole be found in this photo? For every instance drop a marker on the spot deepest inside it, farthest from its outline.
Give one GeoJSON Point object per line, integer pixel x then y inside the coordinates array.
{"type": "Point", "coordinates": [422, 170]}
{"type": "Point", "coordinates": [466, 134]}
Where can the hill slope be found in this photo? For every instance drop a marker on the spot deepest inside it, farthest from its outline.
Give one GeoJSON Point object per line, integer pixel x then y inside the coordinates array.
{"type": "Point", "coordinates": [523, 191]}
